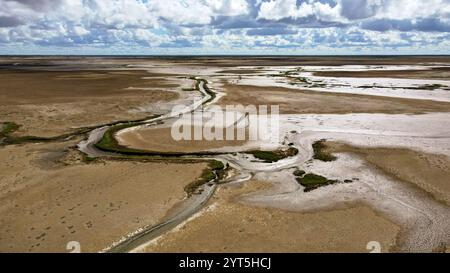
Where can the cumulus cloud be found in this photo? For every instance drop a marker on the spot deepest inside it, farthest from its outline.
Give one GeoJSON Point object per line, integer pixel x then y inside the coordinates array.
{"type": "Point", "coordinates": [224, 24]}
{"type": "Point", "coordinates": [10, 21]}
{"type": "Point", "coordinates": [38, 5]}
{"type": "Point", "coordinates": [404, 9]}
{"type": "Point", "coordinates": [280, 9]}
{"type": "Point", "coordinates": [359, 9]}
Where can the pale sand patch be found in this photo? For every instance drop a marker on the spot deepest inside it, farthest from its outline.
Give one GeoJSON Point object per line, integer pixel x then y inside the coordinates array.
{"type": "Point", "coordinates": [434, 73]}
{"type": "Point", "coordinates": [430, 172]}
{"type": "Point", "coordinates": [230, 226]}
{"type": "Point", "coordinates": [305, 102]}
{"type": "Point", "coordinates": [241, 71]}
{"type": "Point", "coordinates": [44, 205]}
{"type": "Point", "coordinates": [161, 140]}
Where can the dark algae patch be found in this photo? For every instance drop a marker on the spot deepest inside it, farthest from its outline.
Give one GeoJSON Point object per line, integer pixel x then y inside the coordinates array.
{"type": "Point", "coordinates": [267, 156]}
{"type": "Point", "coordinates": [320, 152]}
{"type": "Point", "coordinates": [274, 156]}
{"type": "Point", "coordinates": [215, 171]}
{"type": "Point", "coordinates": [429, 87]}
{"type": "Point", "coordinates": [299, 172]}
{"type": "Point", "coordinates": [433, 87]}
{"type": "Point", "coordinates": [11, 127]}
{"type": "Point", "coordinates": [313, 181]}
{"type": "Point", "coordinates": [109, 143]}
{"type": "Point", "coordinates": [8, 128]}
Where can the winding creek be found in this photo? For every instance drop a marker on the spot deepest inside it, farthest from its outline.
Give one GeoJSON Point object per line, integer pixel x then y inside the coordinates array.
{"type": "Point", "coordinates": [190, 205]}
{"type": "Point", "coordinates": [425, 221]}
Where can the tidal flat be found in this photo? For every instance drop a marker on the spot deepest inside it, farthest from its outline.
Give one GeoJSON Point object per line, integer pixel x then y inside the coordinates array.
{"type": "Point", "coordinates": [375, 127]}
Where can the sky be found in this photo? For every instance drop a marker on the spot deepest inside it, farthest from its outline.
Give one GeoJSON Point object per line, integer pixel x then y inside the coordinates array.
{"type": "Point", "coordinates": [208, 27]}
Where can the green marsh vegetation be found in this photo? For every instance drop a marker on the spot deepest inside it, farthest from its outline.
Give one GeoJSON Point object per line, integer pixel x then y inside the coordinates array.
{"type": "Point", "coordinates": [321, 153]}
{"type": "Point", "coordinates": [215, 172]}
{"type": "Point", "coordinates": [274, 156]}
{"type": "Point", "coordinates": [8, 128]}
{"type": "Point", "coordinates": [311, 181]}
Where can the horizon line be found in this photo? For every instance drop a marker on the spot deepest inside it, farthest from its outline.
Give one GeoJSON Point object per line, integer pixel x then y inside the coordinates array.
{"type": "Point", "coordinates": [225, 55]}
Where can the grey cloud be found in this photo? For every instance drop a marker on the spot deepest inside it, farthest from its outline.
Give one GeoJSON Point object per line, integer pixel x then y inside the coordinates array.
{"type": "Point", "coordinates": [357, 9]}
{"type": "Point", "coordinates": [426, 25]}
{"type": "Point", "coordinates": [38, 5]}
{"type": "Point", "coordinates": [10, 21]}
{"type": "Point", "coordinates": [178, 43]}
{"type": "Point", "coordinates": [227, 22]}
{"type": "Point", "coordinates": [22, 14]}
{"type": "Point", "coordinates": [271, 31]}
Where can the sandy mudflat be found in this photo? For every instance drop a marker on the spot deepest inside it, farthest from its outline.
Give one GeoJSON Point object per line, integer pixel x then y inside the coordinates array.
{"type": "Point", "coordinates": [229, 226]}
{"type": "Point", "coordinates": [311, 60]}
{"type": "Point", "coordinates": [240, 71]}
{"type": "Point", "coordinates": [48, 103]}
{"type": "Point", "coordinates": [304, 102]}
{"type": "Point", "coordinates": [45, 204]}
{"type": "Point", "coordinates": [430, 172]}
{"type": "Point", "coordinates": [49, 197]}
{"type": "Point", "coordinates": [161, 140]}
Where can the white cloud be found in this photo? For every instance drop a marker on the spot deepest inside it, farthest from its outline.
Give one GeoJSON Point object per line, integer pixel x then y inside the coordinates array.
{"type": "Point", "coordinates": [228, 7]}
{"type": "Point", "coordinates": [407, 9]}
{"type": "Point", "coordinates": [355, 9]}
{"type": "Point", "coordinates": [80, 31]}
{"type": "Point", "coordinates": [279, 9]}
{"type": "Point", "coordinates": [217, 24]}
{"type": "Point", "coordinates": [112, 13]}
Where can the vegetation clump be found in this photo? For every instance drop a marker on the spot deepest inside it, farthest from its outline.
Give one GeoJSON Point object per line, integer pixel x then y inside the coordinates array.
{"type": "Point", "coordinates": [109, 143]}
{"type": "Point", "coordinates": [320, 152]}
{"type": "Point", "coordinates": [313, 181]}
{"type": "Point", "coordinates": [429, 87]}
{"type": "Point", "coordinates": [299, 172]}
{"type": "Point", "coordinates": [188, 89]}
{"type": "Point", "coordinates": [215, 171]}
{"type": "Point", "coordinates": [432, 86]}
{"type": "Point", "coordinates": [8, 128]}
{"type": "Point", "coordinates": [216, 165]}
{"type": "Point", "coordinates": [274, 156]}
{"type": "Point", "coordinates": [303, 80]}
{"type": "Point", "coordinates": [88, 159]}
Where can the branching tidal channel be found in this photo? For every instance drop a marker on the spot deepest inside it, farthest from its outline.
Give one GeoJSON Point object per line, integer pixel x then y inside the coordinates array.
{"type": "Point", "coordinates": [100, 142]}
